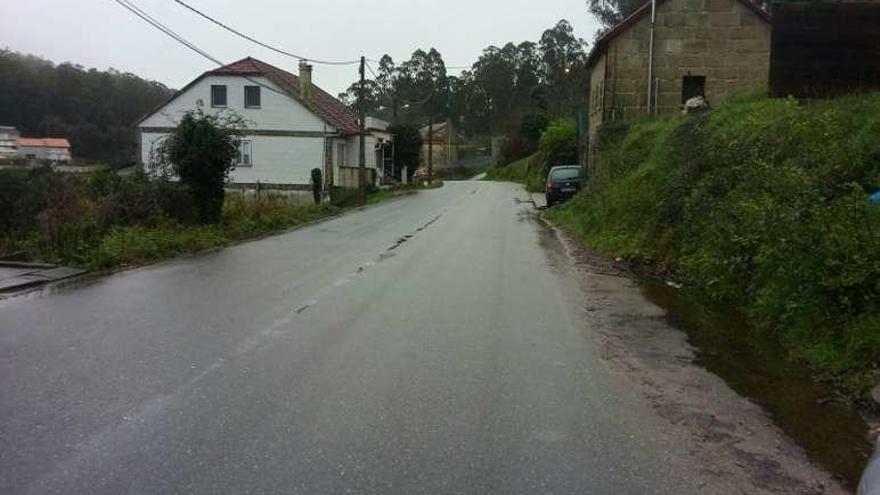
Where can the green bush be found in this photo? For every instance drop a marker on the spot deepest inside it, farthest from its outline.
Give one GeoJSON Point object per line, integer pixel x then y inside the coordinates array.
{"type": "Point", "coordinates": [61, 217]}
{"type": "Point", "coordinates": [23, 195]}
{"type": "Point", "coordinates": [102, 219]}
{"type": "Point", "coordinates": [558, 144]}
{"type": "Point", "coordinates": [763, 204]}
{"type": "Point", "coordinates": [68, 228]}
{"type": "Point", "coordinates": [139, 199]}
{"type": "Point", "coordinates": [202, 151]}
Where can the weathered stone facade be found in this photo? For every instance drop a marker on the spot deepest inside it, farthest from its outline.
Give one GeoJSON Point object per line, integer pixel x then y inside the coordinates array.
{"type": "Point", "coordinates": [720, 46]}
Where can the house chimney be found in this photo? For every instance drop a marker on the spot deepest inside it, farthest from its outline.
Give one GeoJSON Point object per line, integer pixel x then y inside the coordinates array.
{"type": "Point", "coordinates": [305, 80]}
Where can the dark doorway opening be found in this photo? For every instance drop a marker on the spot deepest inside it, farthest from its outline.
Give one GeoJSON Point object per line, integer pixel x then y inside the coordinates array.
{"type": "Point", "coordinates": [693, 86]}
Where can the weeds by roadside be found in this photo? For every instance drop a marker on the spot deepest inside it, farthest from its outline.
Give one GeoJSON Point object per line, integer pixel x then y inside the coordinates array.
{"type": "Point", "coordinates": [102, 220]}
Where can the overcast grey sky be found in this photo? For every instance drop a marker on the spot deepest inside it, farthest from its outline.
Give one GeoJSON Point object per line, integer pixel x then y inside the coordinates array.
{"type": "Point", "coordinates": [100, 33]}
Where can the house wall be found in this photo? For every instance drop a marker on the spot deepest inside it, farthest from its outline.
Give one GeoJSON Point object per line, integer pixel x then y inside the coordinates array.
{"type": "Point", "coordinates": [45, 153]}
{"type": "Point", "coordinates": [720, 39]}
{"type": "Point", "coordinates": [277, 112]}
{"type": "Point", "coordinates": [349, 177]}
{"type": "Point", "coordinates": [281, 160]}
{"type": "Point", "coordinates": [444, 156]}
{"type": "Point", "coordinates": [274, 159]}
{"type": "Point", "coordinates": [598, 91]}
{"type": "Point", "coordinates": [8, 142]}
{"type": "Point", "coordinates": [353, 147]}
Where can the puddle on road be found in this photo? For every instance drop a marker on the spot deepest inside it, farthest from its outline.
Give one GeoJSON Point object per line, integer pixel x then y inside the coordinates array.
{"type": "Point", "coordinates": [756, 367]}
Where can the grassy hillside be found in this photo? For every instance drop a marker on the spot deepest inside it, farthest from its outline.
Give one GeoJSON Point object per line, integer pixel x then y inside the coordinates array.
{"type": "Point", "coordinates": [762, 203]}
{"type": "Point", "coordinates": [527, 171]}
{"type": "Point", "coordinates": [95, 109]}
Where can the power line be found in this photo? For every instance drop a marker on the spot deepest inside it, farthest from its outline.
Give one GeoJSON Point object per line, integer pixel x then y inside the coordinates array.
{"type": "Point", "coordinates": [158, 25]}
{"type": "Point", "coordinates": [371, 71]}
{"type": "Point", "coordinates": [131, 7]}
{"type": "Point", "coordinates": [404, 102]}
{"type": "Point", "coordinates": [264, 45]}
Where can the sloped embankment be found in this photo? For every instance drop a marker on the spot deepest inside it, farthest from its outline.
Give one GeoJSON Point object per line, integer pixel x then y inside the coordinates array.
{"type": "Point", "coordinates": [762, 205]}
{"type": "Point", "coordinates": [527, 171]}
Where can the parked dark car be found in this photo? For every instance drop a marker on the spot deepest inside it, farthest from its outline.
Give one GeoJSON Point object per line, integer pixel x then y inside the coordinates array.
{"type": "Point", "coordinates": [563, 183]}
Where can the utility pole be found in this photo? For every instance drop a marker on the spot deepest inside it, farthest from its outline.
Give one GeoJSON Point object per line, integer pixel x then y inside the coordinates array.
{"type": "Point", "coordinates": [362, 157]}
{"type": "Point", "coordinates": [430, 104]}
{"type": "Point", "coordinates": [651, 57]}
{"type": "Point", "coordinates": [430, 147]}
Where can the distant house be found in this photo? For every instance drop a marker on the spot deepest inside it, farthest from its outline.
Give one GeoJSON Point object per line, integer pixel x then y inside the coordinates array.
{"type": "Point", "coordinates": [8, 142]}
{"type": "Point", "coordinates": [442, 140]}
{"type": "Point", "coordinates": [382, 147]}
{"type": "Point", "coordinates": [51, 149]}
{"type": "Point", "coordinates": [293, 126]}
{"type": "Point", "coordinates": [708, 48]}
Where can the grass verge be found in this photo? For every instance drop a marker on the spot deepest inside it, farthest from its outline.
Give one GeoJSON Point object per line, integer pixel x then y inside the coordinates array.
{"type": "Point", "coordinates": [139, 221]}
{"type": "Point", "coordinates": [242, 219]}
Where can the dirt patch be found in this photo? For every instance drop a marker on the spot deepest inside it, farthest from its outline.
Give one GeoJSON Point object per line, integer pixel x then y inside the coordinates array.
{"type": "Point", "coordinates": [735, 445]}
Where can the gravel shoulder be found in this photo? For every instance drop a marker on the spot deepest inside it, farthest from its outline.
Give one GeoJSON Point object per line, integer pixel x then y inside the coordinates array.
{"type": "Point", "coordinates": [734, 444]}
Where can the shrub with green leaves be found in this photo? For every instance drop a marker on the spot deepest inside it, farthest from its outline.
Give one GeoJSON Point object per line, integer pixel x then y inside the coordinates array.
{"type": "Point", "coordinates": [558, 143]}
{"type": "Point", "coordinates": [202, 151]}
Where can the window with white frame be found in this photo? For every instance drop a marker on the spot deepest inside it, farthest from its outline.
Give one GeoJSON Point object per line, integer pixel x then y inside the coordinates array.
{"type": "Point", "coordinates": [218, 95]}
{"type": "Point", "coordinates": [245, 154]}
{"type": "Point", "coordinates": [252, 97]}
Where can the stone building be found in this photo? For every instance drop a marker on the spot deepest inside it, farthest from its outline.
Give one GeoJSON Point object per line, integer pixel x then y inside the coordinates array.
{"type": "Point", "coordinates": [442, 142]}
{"type": "Point", "coordinates": [709, 48]}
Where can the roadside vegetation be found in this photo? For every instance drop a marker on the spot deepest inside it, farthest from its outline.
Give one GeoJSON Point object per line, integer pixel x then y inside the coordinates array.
{"type": "Point", "coordinates": [526, 171]}
{"type": "Point", "coordinates": [459, 173]}
{"type": "Point", "coordinates": [556, 146]}
{"type": "Point", "coordinates": [105, 220]}
{"type": "Point", "coordinates": [763, 205]}
{"type": "Point", "coordinates": [102, 220]}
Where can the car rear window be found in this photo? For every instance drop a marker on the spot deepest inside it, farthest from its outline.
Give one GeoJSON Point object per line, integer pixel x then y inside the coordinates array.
{"type": "Point", "coordinates": [566, 174]}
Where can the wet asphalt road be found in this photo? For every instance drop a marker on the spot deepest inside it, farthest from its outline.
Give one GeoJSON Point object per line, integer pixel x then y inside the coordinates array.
{"type": "Point", "coordinates": [431, 344]}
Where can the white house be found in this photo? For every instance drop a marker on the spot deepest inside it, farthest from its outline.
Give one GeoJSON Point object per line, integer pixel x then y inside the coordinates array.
{"type": "Point", "coordinates": [8, 142]}
{"type": "Point", "coordinates": [293, 126]}
{"type": "Point", "coordinates": [380, 144]}
{"type": "Point", "coordinates": [52, 149]}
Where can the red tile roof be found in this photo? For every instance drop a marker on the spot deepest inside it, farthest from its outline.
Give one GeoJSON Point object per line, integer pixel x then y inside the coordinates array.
{"type": "Point", "coordinates": [645, 9]}
{"type": "Point", "coordinates": [44, 142]}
